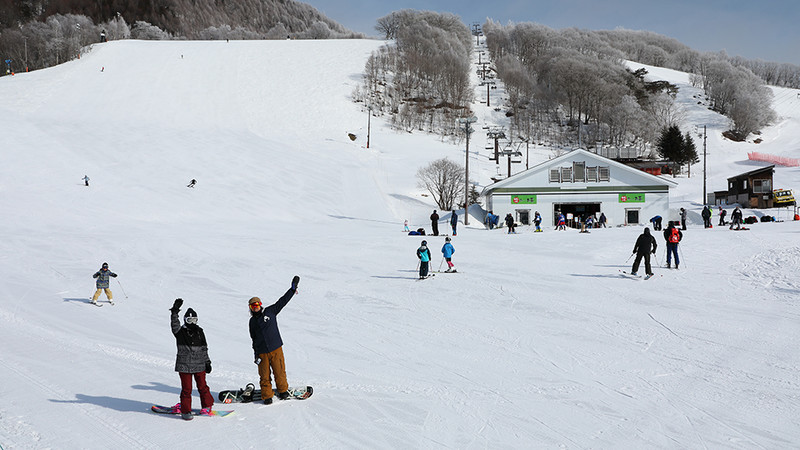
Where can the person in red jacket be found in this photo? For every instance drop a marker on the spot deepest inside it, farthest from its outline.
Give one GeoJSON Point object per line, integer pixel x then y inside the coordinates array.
{"type": "Point", "coordinates": [673, 236]}
{"type": "Point", "coordinates": [268, 345]}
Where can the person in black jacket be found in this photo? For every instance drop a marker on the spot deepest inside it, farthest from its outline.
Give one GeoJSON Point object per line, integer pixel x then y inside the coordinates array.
{"type": "Point", "coordinates": [435, 223]}
{"type": "Point", "coordinates": [645, 245]}
{"type": "Point", "coordinates": [268, 345]}
{"type": "Point", "coordinates": [192, 360]}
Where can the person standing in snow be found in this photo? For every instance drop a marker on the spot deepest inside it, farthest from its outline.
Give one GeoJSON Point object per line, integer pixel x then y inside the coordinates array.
{"type": "Point", "coordinates": [736, 218]}
{"type": "Point", "coordinates": [424, 255]}
{"type": "Point", "coordinates": [562, 222]}
{"type": "Point", "coordinates": [268, 345]}
{"type": "Point", "coordinates": [645, 245]}
{"type": "Point", "coordinates": [447, 252]}
{"type": "Point", "coordinates": [435, 223]}
{"type": "Point", "coordinates": [510, 223]}
{"type": "Point", "coordinates": [192, 361]}
{"type": "Point", "coordinates": [454, 221]}
{"type": "Point", "coordinates": [683, 219]}
{"type": "Point", "coordinates": [673, 236]}
{"type": "Point", "coordinates": [102, 283]}
{"type": "Point", "coordinates": [405, 225]}
{"type": "Point", "coordinates": [601, 222]}
{"type": "Point", "coordinates": [706, 214]}
{"type": "Point", "coordinates": [722, 214]}
{"type": "Point", "coordinates": [537, 220]}
{"type": "Point", "coordinates": [85, 179]}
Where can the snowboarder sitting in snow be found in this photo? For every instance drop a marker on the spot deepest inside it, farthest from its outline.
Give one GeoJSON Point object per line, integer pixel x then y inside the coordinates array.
{"type": "Point", "coordinates": [447, 251]}
{"type": "Point", "coordinates": [102, 283]}
{"type": "Point", "coordinates": [268, 345]}
{"type": "Point", "coordinates": [192, 361]}
{"type": "Point", "coordinates": [673, 236]}
{"type": "Point", "coordinates": [645, 245]}
{"type": "Point", "coordinates": [424, 255]}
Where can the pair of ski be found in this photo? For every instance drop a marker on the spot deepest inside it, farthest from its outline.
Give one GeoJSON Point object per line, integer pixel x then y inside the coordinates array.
{"type": "Point", "coordinates": [246, 395]}
{"type": "Point", "coordinates": [630, 275]}
{"type": "Point", "coordinates": [95, 303]}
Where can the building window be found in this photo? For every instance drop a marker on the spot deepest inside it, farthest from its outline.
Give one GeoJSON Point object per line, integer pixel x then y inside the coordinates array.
{"type": "Point", "coordinates": [591, 174]}
{"type": "Point", "coordinates": [579, 171]}
{"type": "Point", "coordinates": [566, 174]}
{"type": "Point", "coordinates": [555, 176]}
{"type": "Point", "coordinates": [762, 186]}
{"type": "Point", "coordinates": [603, 174]}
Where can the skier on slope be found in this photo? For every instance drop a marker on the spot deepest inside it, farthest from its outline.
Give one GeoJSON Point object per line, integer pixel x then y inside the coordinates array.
{"type": "Point", "coordinates": [537, 220]}
{"type": "Point", "coordinates": [447, 252]}
{"type": "Point", "coordinates": [192, 361]}
{"type": "Point", "coordinates": [454, 221]}
{"type": "Point", "coordinates": [424, 255]}
{"type": "Point", "coordinates": [268, 345]}
{"type": "Point", "coordinates": [435, 223]}
{"type": "Point", "coordinates": [102, 283]}
{"type": "Point", "coordinates": [736, 219]}
{"type": "Point", "coordinates": [683, 219]}
{"type": "Point", "coordinates": [673, 236]}
{"type": "Point", "coordinates": [645, 245]}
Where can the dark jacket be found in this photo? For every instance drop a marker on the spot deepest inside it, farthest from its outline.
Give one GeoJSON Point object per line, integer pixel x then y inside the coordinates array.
{"type": "Point", "coordinates": [102, 278]}
{"type": "Point", "coordinates": [454, 219]}
{"type": "Point", "coordinates": [668, 233]}
{"type": "Point", "coordinates": [645, 244]}
{"type": "Point", "coordinates": [264, 326]}
{"type": "Point", "coordinates": [192, 347]}
{"type": "Point", "coordinates": [434, 217]}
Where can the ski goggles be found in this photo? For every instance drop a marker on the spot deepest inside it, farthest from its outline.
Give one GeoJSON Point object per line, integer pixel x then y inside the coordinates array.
{"type": "Point", "coordinates": [191, 320]}
{"type": "Point", "coordinates": [255, 305]}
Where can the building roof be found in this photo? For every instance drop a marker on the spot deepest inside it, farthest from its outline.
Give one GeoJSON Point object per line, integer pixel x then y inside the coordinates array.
{"type": "Point", "coordinates": [647, 179]}
{"type": "Point", "coordinates": [754, 172]}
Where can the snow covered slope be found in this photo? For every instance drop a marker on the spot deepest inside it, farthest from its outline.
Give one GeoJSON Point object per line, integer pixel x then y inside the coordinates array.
{"type": "Point", "coordinates": [537, 342]}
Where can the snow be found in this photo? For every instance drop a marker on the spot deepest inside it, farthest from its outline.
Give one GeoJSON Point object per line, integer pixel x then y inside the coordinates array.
{"type": "Point", "coordinates": [537, 342]}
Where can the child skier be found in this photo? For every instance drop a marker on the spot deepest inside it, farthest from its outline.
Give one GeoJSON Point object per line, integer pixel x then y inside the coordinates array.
{"type": "Point", "coordinates": [537, 220]}
{"type": "Point", "coordinates": [191, 361]}
{"type": "Point", "coordinates": [102, 283]}
{"type": "Point", "coordinates": [447, 251]}
{"type": "Point", "coordinates": [424, 255]}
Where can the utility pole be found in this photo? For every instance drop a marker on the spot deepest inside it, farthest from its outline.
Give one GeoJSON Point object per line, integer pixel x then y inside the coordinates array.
{"type": "Point", "coordinates": [704, 165]}
{"type": "Point", "coordinates": [467, 122]}
{"type": "Point", "coordinates": [369, 117]}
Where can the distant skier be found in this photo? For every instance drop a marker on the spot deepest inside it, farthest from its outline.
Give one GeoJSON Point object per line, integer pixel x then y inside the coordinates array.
{"type": "Point", "coordinates": [268, 345]}
{"type": "Point", "coordinates": [683, 219]}
{"type": "Point", "coordinates": [86, 180]}
{"type": "Point", "coordinates": [454, 221]}
{"type": "Point", "coordinates": [722, 214]}
{"type": "Point", "coordinates": [601, 222]}
{"type": "Point", "coordinates": [562, 223]}
{"type": "Point", "coordinates": [537, 220]}
{"type": "Point", "coordinates": [405, 225]}
{"type": "Point", "coordinates": [424, 255]}
{"type": "Point", "coordinates": [645, 245]}
{"type": "Point", "coordinates": [102, 283]}
{"type": "Point", "coordinates": [673, 236]}
{"type": "Point", "coordinates": [447, 251]}
{"type": "Point", "coordinates": [192, 183]}
{"type": "Point", "coordinates": [706, 214]}
{"type": "Point", "coordinates": [656, 221]}
{"type": "Point", "coordinates": [512, 228]}
{"type": "Point", "coordinates": [736, 218]}
{"type": "Point", "coordinates": [192, 361]}
{"type": "Point", "coordinates": [435, 223]}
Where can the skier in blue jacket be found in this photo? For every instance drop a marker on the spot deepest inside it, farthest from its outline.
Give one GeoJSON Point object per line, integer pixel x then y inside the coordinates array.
{"type": "Point", "coordinates": [268, 345]}
{"type": "Point", "coordinates": [447, 251]}
{"type": "Point", "coordinates": [424, 255]}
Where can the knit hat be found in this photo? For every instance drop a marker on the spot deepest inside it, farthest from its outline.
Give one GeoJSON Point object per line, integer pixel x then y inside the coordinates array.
{"type": "Point", "coordinates": [254, 300]}
{"type": "Point", "coordinates": [190, 316]}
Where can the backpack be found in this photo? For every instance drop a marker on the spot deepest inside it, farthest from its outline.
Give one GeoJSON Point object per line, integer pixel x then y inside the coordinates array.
{"type": "Point", "coordinates": [674, 237]}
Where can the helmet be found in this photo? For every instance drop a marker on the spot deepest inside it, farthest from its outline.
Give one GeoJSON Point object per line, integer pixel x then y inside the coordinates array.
{"type": "Point", "coordinates": [447, 239]}
{"type": "Point", "coordinates": [105, 265]}
{"type": "Point", "coordinates": [424, 242]}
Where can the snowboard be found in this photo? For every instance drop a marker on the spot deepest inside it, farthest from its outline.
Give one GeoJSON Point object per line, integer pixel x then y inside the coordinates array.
{"type": "Point", "coordinates": [195, 412]}
{"type": "Point", "coordinates": [250, 393]}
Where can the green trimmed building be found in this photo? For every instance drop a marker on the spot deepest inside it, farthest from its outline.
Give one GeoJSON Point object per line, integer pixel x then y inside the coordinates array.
{"type": "Point", "coordinates": [581, 183]}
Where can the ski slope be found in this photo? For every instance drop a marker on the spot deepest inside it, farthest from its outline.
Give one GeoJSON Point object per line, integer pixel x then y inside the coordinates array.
{"type": "Point", "coordinates": [537, 342]}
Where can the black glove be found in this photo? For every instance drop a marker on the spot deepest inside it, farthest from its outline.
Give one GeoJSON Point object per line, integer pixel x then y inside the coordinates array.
{"type": "Point", "coordinates": [114, 275]}
{"type": "Point", "coordinates": [654, 252]}
{"type": "Point", "coordinates": [257, 360]}
{"type": "Point", "coordinates": [208, 366]}
{"type": "Point", "coordinates": [177, 305]}
{"type": "Point", "coordinates": [295, 282]}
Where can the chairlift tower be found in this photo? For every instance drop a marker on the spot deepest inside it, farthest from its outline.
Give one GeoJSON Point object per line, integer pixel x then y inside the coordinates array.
{"type": "Point", "coordinates": [467, 123]}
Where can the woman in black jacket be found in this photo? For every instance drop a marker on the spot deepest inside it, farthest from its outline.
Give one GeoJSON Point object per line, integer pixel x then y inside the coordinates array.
{"type": "Point", "coordinates": [192, 361]}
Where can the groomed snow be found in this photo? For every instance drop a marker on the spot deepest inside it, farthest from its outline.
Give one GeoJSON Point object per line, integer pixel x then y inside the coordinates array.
{"type": "Point", "coordinates": [538, 342]}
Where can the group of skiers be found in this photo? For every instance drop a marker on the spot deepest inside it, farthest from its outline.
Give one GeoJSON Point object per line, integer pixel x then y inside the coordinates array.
{"type": "Point", "coordinates": [192, 361]}
{"type": "Point", "coordinates": [646, 245]}
{"type": "Point", "coordinates": [435, 223]}
{"type": "Point", "coordinates": [424, 256]}
{"type": "Point", "coordinates": [736, 217]}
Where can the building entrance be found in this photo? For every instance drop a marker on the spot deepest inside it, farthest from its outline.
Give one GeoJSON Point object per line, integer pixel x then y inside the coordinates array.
{"type": "Point", "coordinates": [578, 211]}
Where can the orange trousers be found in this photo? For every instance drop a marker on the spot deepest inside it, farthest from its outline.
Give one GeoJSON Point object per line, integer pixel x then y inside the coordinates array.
{"type": "Point", "coordinates": [272, 361]}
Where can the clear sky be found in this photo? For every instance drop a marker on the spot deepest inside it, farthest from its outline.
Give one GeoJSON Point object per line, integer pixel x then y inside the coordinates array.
{"type": "Point", "coordinates": [761, 29]}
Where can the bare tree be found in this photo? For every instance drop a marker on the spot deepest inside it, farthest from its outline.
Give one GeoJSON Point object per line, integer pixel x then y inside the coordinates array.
{"type": "Point", "coordinates": [444, 179]}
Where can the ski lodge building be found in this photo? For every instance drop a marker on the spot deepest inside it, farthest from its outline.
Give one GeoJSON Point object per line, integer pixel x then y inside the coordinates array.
{"type": "Point", "coordinates": [581, 183]}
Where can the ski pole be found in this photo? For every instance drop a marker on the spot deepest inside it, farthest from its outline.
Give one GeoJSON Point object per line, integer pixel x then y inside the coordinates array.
{"type": "Point", "coordinates": [629, 258]}
{"type": "Point", "coordinates": [683, 261]}
{"type": "Point", "coordinates": [417, 269]}
{"type": "Point", "coordinates": [440, 264]}
{"type": "Point", "coordinates": [123, 289]}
